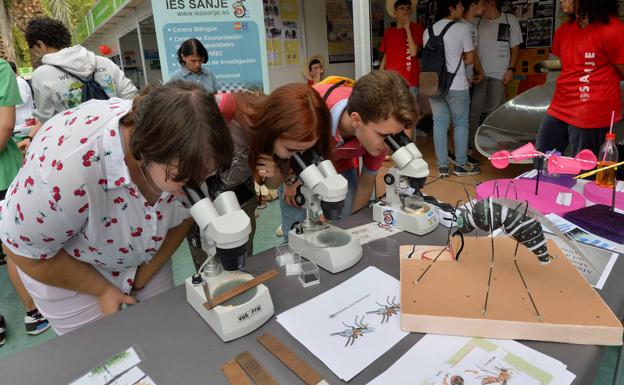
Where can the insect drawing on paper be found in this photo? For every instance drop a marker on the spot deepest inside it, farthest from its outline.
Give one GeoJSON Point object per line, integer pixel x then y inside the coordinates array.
{"type": "Point", "coordinates": [354, 331]}
{"type": "Point", "coordinates": [388, 310]}
{"type": "Point", "coordinates": [455, 380]}
{"type": "Point", "coordinates": [497, 376]}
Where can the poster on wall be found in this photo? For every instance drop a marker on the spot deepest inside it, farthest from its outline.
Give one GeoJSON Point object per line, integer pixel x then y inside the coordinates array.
{"type": "Point", "coordinates": [539, 32]}
{"type": "Point", "coordinates": [232, 32]}
{"type": "Point", "coordinates": [339, 19]}
{"type": "Point", "coordinates": [284, 45]}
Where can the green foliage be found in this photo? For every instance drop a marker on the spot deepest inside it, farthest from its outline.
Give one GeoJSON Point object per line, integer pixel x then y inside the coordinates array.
{"type": "Point", "coordinates": [80, 10]}
{"type": "Point", "coordinates": [22, 53]}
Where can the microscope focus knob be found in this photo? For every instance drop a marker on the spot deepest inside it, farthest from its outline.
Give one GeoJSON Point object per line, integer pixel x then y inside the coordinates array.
{"type": "Point", "coordinates": [389, 179]}
{"type": "Point", "coordinates": [299, 199]}
{"type": "Point", "coordinates": [196, 279]}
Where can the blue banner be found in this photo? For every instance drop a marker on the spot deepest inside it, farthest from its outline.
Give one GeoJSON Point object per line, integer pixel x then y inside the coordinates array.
{"type": "Point", "coordinates": [232, 32]}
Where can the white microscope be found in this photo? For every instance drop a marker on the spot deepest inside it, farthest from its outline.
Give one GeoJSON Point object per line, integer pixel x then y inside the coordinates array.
{"type": "Point", "coordinates": [322, 193]}
{"type": "Point", "coordinates": [225, 230]}
{"type": "Point", "coordinates": [403, 207]}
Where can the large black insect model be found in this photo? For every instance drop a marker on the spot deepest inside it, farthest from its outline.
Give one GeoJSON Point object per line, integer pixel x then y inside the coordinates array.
{"type": "Point", "coordinates": [488, 215]}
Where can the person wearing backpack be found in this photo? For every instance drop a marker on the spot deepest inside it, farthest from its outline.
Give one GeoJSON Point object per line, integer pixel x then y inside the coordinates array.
{"type": "Point", "coordinates": [70, 75]}
{"type": "Point", "coordinates": [443, 79]}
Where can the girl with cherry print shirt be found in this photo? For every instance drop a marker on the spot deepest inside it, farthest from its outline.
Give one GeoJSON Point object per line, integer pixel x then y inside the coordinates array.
{"type": "Point", "coordinates": [92, 214]}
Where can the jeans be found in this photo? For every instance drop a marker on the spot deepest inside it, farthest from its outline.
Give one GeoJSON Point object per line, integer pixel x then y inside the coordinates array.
{"type": "Point", "coordinates": [453, 108]}
{"type": "Point", "coordinates": [555, 134]}
{"type": "Point", "coordinates": [291, 215]}
{"type": "Point", "coordinates": [488, 95]}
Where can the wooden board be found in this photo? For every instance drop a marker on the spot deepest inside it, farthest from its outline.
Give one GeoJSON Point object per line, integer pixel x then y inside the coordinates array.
{"type": "Point", "coordinates": [450, 298]}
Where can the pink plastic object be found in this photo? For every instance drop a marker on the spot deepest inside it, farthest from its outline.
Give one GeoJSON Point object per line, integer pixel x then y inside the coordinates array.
{"type": "Point", "coordinates": [525, 152]}
{"type": "Point", "coordinates": [602, 195]}
{"type": "Point", "coordinates": [500, 159]}
{"type": "Point", "coordinates": [546, 200]}
{"type": "Point", "coordinates": [587, 159]}
{"type": "Point", "coordinates": [563, 165]}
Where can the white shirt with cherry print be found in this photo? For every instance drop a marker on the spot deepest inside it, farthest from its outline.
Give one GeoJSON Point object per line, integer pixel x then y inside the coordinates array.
{"type": "Point", "coordinates": [74, 192]}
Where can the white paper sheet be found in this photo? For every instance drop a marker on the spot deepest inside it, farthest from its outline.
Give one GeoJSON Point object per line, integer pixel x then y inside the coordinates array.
{"type": "Point", "coordinates": [130, 377]}
{"type": "Point", "coordinates": [602, 261]}
{"type": "Point", "coordinates": [446, 360]}
{"type": "Point", "coordinates": [351, 325]}
{"type": "Point", "coordinates": [110, 368]}
{"type": "Point", "coordinates": [372, 232]}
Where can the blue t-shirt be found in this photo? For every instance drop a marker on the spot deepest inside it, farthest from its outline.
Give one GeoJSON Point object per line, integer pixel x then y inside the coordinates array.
{"type": "Point", "coordinates": [205, 78]}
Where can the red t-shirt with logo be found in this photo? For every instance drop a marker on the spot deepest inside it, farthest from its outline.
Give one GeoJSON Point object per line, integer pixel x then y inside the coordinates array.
{"type": "Point", "coordinates": [346, 150]}
{"type": "Point", "coordinates": [588, 88]}
{"type": "Point", "coordinates": [394, 45]}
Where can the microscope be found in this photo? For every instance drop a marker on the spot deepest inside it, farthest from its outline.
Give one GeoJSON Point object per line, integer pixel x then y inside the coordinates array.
{"type": "Point", "coordinates": [404, 206]}
{"type": "Point", "coordinates": [322, 194]}
{"type": "Point", "coordinates": [225, 230]}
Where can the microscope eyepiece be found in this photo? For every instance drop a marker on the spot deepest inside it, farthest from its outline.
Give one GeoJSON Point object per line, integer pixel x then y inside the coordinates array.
{"type": "Point", "coordinates": [397, 141]}
{"type": "Point", "coordinates": [301, 160]}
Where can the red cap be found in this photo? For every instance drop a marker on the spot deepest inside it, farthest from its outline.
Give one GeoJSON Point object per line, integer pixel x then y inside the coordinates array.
{"type": "Point", "coordinates": [611, 135]}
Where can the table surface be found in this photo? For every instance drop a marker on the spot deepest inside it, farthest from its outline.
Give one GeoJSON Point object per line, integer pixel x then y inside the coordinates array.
{"type": "Point", "coordinates": [179, 347]}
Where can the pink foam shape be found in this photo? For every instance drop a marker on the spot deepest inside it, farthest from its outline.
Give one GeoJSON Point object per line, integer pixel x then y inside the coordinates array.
{"type": "Point", "coordinates": [563, 165]}
{"type": "Point", "coordinates": [587, 159]}
{"type": "Point", "coordinates": [500, 159]}
{"type": "Point", "coordinates": [526, 151]}
{"type": "Point", "coordinates": [546, 200]}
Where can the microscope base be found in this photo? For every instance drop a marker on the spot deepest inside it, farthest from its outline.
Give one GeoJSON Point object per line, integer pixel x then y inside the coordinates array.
{"type": "Point", "coordinates": [419, 224]}
{"type": "Point", "coordinates": [346, 252]}
{"type": "Point", "coordinates": [237, 317]}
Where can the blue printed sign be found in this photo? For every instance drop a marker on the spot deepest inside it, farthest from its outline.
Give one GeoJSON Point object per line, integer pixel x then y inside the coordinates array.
{"type": "Point", "coordinates": [231, 31]}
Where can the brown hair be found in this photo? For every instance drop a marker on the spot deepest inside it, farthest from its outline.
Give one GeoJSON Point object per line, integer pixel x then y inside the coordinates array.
{"type": "Point", "coordinates": [294, 111]}
{"type": "Point", "coordinates": [381, 95]}
{"type": "Point", "coordinates": [180, 124]}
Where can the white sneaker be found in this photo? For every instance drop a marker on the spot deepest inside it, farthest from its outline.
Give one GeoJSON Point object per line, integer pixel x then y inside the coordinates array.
{"type": "Point", "coordinates": [36, 325]}
{"type": "Point", "coordinates": [279, 232]}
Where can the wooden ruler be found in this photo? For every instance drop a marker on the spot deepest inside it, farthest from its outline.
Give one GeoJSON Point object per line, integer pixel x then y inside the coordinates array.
{"type": "Point", "coordinates": [235, 374]}
{"type": "Point", "coordinates": [292, 361]}
{"type": "Point", "coordinates": [254, 370]}
{"type": "Point", "coordinates": [228, 295]}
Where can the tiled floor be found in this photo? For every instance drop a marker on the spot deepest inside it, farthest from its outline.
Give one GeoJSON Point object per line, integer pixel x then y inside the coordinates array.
{"type": "Point", "coordinates": [265, 238]}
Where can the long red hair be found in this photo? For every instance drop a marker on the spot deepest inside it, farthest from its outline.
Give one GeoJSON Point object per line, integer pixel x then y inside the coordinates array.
{"type": "Point", "coordinates": [293, 111]}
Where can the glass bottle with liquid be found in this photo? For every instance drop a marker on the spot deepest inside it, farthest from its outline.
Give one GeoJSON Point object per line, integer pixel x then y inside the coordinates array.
{"type": "Point", "coordinates": [608, 156]}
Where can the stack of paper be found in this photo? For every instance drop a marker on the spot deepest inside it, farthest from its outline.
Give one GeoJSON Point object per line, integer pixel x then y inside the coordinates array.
{"type": "Point", "coordinates": [351, 325]}
{"type": "Point", "coordinates": [120, 369]}
{"type": "Point", "coordinates": [446, 360]}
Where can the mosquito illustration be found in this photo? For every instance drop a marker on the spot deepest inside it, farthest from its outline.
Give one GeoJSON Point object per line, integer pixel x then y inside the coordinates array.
{"type": "Point", "coordinates": [501, 376]}
{"type": "Point", "coordinates": [386, 311]}
{"type": "Point", "coordinates": [353, 332]}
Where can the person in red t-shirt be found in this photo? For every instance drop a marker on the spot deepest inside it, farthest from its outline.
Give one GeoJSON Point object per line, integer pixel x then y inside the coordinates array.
{"type": "Point", "coordinates": [588, 88]}
{"type": "Point", "coordinates": [400, 45]}
{"type": "Point", "coordinates": [362, 116]}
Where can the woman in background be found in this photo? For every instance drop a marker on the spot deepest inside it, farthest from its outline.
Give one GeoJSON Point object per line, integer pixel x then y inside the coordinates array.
{"type": "Point", "coordinates": [192, 56]}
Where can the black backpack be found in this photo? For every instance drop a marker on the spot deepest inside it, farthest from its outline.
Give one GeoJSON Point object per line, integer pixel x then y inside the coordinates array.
{"type": "Point", "coordinates": [435, 80]}
{"type": "Point", "coordinates": [90, 88]}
